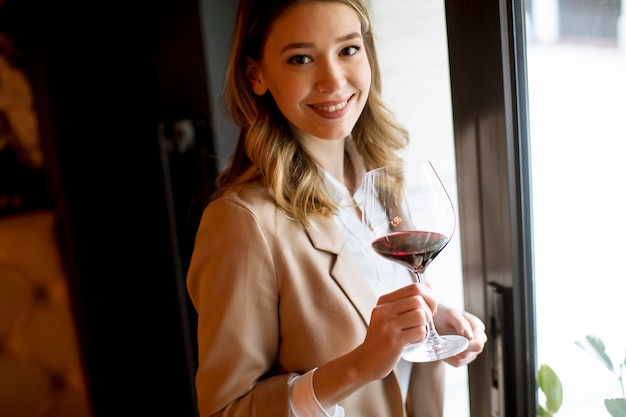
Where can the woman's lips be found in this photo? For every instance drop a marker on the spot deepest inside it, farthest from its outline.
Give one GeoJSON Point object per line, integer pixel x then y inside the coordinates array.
{"type": "Point", "coordinates": [332, 110]}
{"type": "Point", "coordinates": [333, 107]}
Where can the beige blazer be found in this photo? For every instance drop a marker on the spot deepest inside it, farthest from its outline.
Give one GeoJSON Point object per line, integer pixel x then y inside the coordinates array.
{"type": "Point", "coordinates": [274, 299]}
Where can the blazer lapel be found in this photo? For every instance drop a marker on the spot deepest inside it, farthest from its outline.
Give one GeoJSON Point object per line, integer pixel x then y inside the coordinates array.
{"type": "Point", "coordinates": [325, 236]}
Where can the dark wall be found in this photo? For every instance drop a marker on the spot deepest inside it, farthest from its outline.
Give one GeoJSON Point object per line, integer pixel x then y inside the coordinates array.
{"type": "Point", "coordinates": [111, 80]}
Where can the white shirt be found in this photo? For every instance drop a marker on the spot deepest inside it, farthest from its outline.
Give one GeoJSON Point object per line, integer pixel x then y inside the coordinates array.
{"type": "Point", "coordinates": [382, 276]}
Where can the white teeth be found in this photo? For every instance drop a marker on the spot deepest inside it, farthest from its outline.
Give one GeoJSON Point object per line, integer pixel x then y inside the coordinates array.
{"type": "Point", "coordinates": [333, 108]}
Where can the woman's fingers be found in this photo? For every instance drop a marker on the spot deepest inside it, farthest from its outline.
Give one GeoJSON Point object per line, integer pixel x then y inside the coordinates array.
{"type": "Point", "coordinates": [411, 290]}
{"type": "Point", "coordinates": [415, 325]}
{"type": "Point", "coordinates": [468, 325]}
{"type": "Point", "coordinates": [403, 315]}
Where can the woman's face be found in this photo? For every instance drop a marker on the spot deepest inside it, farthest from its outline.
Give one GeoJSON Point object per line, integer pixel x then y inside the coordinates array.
{"type": "Point", "coordinates": [315, 66]}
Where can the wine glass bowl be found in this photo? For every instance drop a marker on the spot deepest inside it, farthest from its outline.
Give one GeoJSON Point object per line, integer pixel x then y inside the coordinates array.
{"type": "Point", "coordinates": [411, 219]}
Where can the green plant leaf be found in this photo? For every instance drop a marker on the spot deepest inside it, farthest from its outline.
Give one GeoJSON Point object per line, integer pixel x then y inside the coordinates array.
{"type": "Point", "coordinates": [550, 385]}
{"type": "Point", "coordinates": [616, 406]}
{"type": "Point", "coordinates": [595, 346]}
{"type": "Point", "coordinates": [543, 412]}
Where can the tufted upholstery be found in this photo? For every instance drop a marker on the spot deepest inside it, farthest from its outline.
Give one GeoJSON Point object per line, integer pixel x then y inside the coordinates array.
{"type": "Point", "coordinates": [40, 367]}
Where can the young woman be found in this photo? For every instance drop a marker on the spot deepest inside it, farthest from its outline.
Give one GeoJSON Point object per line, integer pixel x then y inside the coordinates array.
{"type": "Point", "coordinates": [293, 318]}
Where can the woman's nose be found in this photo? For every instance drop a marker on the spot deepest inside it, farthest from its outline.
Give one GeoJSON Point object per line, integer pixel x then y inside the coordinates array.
{"type": "Point", "coordinates": [330, 76]}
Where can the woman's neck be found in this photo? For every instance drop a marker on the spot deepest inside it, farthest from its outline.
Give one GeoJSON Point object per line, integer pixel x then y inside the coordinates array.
{"type": "Point", "coordinates": [329, 153]}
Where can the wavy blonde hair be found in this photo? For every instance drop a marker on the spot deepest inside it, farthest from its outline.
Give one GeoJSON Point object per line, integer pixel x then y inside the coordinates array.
{"type": "Point", "coordinates": [267, 149]}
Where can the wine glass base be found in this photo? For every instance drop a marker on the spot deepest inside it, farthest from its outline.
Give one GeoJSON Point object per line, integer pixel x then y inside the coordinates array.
{"type": "Point", "coordinates": [448, 345]}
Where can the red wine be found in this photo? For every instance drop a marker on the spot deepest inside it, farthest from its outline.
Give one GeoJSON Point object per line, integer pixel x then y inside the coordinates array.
{"type": "Point", "coordinates": [415, 249]}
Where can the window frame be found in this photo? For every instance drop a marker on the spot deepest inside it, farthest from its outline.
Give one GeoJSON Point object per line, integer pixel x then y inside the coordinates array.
{"type": "Point", "coordinates": [487, 55]}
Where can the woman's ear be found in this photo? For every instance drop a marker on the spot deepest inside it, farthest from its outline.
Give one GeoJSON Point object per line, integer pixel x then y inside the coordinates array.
{"type": "Point", "coordinates": [255, 78]}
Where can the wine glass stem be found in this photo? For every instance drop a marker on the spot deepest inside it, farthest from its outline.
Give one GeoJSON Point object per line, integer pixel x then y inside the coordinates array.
{"type": "Point", "coordinates": [433, 337]}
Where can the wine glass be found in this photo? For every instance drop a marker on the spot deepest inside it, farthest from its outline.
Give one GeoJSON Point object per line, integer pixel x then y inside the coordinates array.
{"type": "Point", "coordinates": [410, 218]}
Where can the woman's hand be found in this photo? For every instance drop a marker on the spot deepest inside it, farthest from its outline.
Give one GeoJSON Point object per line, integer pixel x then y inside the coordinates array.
{"type": "Point", "coordinates": [454, 321]}
{"type": "Point", "coordinates": [399, 318]}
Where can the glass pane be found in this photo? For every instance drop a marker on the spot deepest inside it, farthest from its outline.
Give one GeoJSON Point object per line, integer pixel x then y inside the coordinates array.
{"type": "Point", "coordinates": [413, 53]}
{"type": "Point", "coordinates": [577, 94]}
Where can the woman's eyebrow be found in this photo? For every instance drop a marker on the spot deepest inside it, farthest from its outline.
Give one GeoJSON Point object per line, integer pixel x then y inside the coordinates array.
{"type": "Point", "coordinates": [297, 45]}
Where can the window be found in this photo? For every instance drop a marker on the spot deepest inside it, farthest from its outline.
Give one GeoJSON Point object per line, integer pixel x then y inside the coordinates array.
{"type": "Point", "coordinates": [538, 95]}
{"type": "Point", "coordinates": [577, 91]}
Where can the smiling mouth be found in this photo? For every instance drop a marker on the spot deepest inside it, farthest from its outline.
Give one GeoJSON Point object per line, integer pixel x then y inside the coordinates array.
{"type": "Point", "coordinates": [333, 108]}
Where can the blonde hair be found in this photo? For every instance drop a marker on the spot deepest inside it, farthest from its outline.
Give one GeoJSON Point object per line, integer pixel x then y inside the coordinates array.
{"type": "Point", "coordinates": [267, 149]}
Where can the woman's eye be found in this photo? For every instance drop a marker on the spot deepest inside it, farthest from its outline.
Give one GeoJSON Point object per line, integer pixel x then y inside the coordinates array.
{"type": "Point", "coordinates": [350, 50]}
{"type": "Point", "coordinates": [299, 60]}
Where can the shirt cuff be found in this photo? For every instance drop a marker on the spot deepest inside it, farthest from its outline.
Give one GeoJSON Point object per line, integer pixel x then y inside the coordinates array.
{"type": "Point", "coordinates": [304, 402]}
